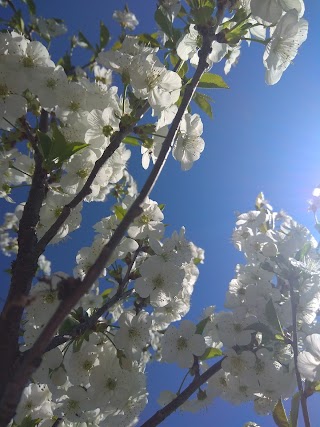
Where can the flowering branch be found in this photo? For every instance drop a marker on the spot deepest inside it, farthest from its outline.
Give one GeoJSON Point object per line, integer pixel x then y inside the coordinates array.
{"type": "Point", "coordinates": [30, 361]}
{"type": "Point", "coordinates": [81, 329]}
{"type": "Point", "coordinates": [303, 399]}
{"type": "Point", "coordinates": [116, 140]}
{"type": "Point", "coordinates": [197, 382]}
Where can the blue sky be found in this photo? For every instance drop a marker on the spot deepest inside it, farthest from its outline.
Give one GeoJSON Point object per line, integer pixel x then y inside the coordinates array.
{"type": "Point", "coordinates": [262, 138]}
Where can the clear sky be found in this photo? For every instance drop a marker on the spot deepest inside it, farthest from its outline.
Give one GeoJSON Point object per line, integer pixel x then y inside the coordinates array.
{"type": "Point", "coordinates": [262, 138]}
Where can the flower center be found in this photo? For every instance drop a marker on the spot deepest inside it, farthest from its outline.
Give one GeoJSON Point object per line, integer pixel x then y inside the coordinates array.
{"type": "Point", "coordinates": [182, 343]}
{"type": "Point", "coordinates": [74, 106]}
{"type": "Point", "coordinates": [158, 281]}
{"type": "Point", "coordinates": [51, 83]}
{"type": "Point", "coordinates": [73, 404]}
{"type": "Point", "coordinates": [4, 91]}
{"type": "Point", "coordinates": [28, 62]}
{"type": "Point", "coordinates": [107, 130]}
{"type": "Point", "coordinates": [133, 332]}
{"type": "Point", "coordinates": [144, 219]}
{"type": "Point", "coordinates": [49, 298]}
{"type": "Point", "coordinates": [111, 384]}
{"type": "Point", "coordinates": [87, 365]}
{"type": "Point", "coordinates": [82, 173]}
{"type": "Point", "coordinates": [57, 211]}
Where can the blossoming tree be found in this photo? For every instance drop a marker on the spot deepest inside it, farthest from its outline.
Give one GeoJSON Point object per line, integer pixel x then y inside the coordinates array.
{"type": "Point", "coordinates": [76, 349]}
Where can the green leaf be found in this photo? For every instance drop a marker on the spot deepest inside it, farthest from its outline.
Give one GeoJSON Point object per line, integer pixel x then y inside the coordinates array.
{"type": "Point", "coordinates": [203, 102]}
{"type": "Point", "coordinates": [57, 149]}
{"type": "Point", "coordinates": [272, 316]}
{"type": "Point", "coordinates": [294, 412]}
{"type": "Point", "coordinates": [212, 81]}
{"type": "Point", "coordinates": [84, 42]}
{"type": "Point", "coordinates": [29, 422]}
{"type": "Point", "coordinates": [131, 140]}
{"type": "Point", "coordinates": [163, 21]}
{"type": "Point", "coordinates": [201, 325]}
{"type": "Point", "coordinates": [210, 353]}
{"type": "Point", "coordinates": [149, 40]}
{"type": "Point", "coordinates": [183, 67]}
{"type": "Point", "coordinates": [77, 343]}
{"type": "Point", "coordinates": [234, 35]}
{"type": "Point", "coordinates": [161, 206]}
{"type": "Point", "coordinates": [44, 144]}
{"type": "Point", "coordinates": [65, 62]}
{"type": "Point", "coordinates": [279, 415]}
{"type": "Point", "coordinates": [119, 212]}
{"type": "Point", "coordinates": [106, 293]}
{"type": "Point", "coordinates": [17, 22]}
{"type": "Point", "coordinates": [303, 251]}
{"type": "Point", "coordinates": [317, 387]}
{"type": "Point", "coordinates": [68, 324]}
{"type": "Point", "coordinates": [104, 35]}
{"type": "Point", "coordinates": [202, 15]}
{"type": "Point", "coordinates": [31, 6]}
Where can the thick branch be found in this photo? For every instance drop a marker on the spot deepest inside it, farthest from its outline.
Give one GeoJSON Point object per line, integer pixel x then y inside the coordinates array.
{"type": "Point", "coordinates": [303, 399]}
{"type": "Point", "coordinates": [31, 360]}
{"type": "Point", "coordinates": [164, 413]}
{"type": "Point", "coordinates": [23, 269]}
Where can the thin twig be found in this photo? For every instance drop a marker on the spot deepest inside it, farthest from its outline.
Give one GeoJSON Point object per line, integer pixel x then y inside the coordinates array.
{"type": "Point", "coordinates": [89, 324]}
{"type": "Point", "coordinates": [303, 399]}
{"type": "Point", "coordinates": [81, 329]}
{"type": "Point", "coordinates": [115, 142]}
{"type": "Point", "coordinates": [10, 3]}
{"type": "Point", "coordinates": [171, 407]}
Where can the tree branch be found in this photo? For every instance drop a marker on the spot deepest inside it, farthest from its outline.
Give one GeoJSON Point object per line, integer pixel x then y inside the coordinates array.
{"type": "Point", "coordinates": [303, 399]}
{"type": "Point", "coordinates": [115, 142]}
{"type": "Point", "coordinates": [30, 361]}
{"type": "Point", "coordinates": [23, 268]}
{"type": "Point", "coordinates": [80, 329]}
{"type": "Point", "coordinates": [171, 407]}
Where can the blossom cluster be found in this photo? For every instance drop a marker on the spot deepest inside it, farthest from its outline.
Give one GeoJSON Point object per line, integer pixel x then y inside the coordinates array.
{"type": "Point", "coordinates": [100, 376]}
{"type": "Point", "coordinates": [288, 30]}
{"type": "Point", "coordinates": [275, 292]}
